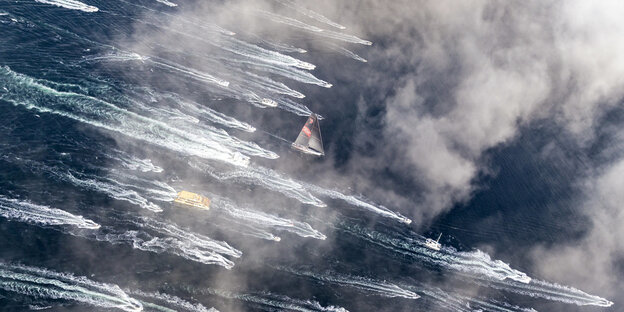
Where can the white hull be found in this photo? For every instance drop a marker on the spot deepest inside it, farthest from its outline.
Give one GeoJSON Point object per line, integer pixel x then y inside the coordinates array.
{"type": "Point", "coordinates": [306, 150]}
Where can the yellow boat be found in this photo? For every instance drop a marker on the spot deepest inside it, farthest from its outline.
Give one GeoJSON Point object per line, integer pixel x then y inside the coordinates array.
{"type": "Point", "coordinates": [188, 199]}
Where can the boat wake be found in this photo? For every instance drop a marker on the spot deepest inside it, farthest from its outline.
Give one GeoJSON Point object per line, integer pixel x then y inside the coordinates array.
{"type": "Point", "coordinates": [24, 211]}
{"type": "Point", "coordinates": [364, 284]}
{"type": "Point", "coordinates": [26, 91]}
{"type": "Point", "coordinates": [166, 303]}
{"type": "Point", "coordinates": [45, 284]}
{"type": "Point", "coordinates": [263, 220]}
{"type": "Point", "coordinates": [71, 4]}
{"type": "Point", "coordinates": [158, 237]}
{"type": "Point", "coordinates": [551, 291]}
{"type": "Point", "coordinates": [267, 301]}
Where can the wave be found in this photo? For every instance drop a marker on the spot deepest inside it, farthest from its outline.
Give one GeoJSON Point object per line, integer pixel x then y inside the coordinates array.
{"type": "Point", "coordinates": [45, 284]}
{"type": "Point", "coordinates": [26, 91]}
{"type": "Point", "coordinates": [25, 211]}
{"type": "Point", "coordinates": [71, 4]}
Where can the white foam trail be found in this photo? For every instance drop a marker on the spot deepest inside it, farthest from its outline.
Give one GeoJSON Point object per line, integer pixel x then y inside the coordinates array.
{"type": "Point", "coordinates": [343, 37]}
{"type": "Point", "coordinates": [45, 284]}
{"type": "Point", "coordinates": [279, 46]}
{"type": "Point", "coordinates": [368, 285]}
{"type": "Point", "coordinates": [349, 54]}
{"type": "Point", "coordinates": [216, 117]}
{"type": "Point", "coordinates": [133, 163]}
{"type": "Point", "coordinates": [310, 13]}
{"type": "Point", "coordinates": [157, 236]}
{"type": "Point", "coordinates": [24, 211]}
{"type": "Point", "coordinates": [193, 239]}
{"type": "Point", "coordinates": [203, 130]}
{"type": "Point", "coordinates": [269, 85]}
{"type": "Point", "coordinates": [315, 30]}
{"type": "Point", "coordinates": [202, 24]}
{"type": "Point", "coordinates": [265, 220]}
{"type": "Point", "coordinates": [474, 264]}
{"type": "Point", "coordinates": [269, 301]}
{"type": "Point", "coordinates": [255, 52]}
{"type": "Point", "coordinates": [71, 4]}
{"type": "Point", "coordinates": [457, 302]}
{"type": "Point", "coordinates": [294, 107]}
{"type": "Point", "coordinates": [116, 185]}
{"type": "Point", "coordinates": [551, 291]}
{"type": "Point", "coordinates": [26, 91]}
{"type": "Point", "coordinates": [167, 3]}
{"type": "Point", "coordinates": [288, 72]}
{"type": "Point", "coordinates": [289, 21]}
{"type": "Point", "coordinates": [192, 73]}
{"type": "Point", "coordinates": [113, 190]}
{"type": "Point", "coordinates": [167, 302]}
{"type": "Point", "coordinates": [120, 56]}
{"type": "Point", "coordinates": [378, 209]}
{"type": "Point", "coordinates": [264, 177]}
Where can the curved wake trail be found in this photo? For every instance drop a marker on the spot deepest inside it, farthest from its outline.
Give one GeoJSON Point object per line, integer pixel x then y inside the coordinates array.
{"type": "Point", "coordinates": [364, 284]}
{"type": "Point", "coordinates": [167, 303]}
{"type": "Point", "coordinates": [263, 220]}
{"type": "Point", "coordinates": [24, 211]}
{"type": "Point", "coordinates": [268, 301]}
{"type": "Point", "coordinates": [71, 4]}
{"type": "Point", "coordinates": [551, 291]}
{"type": "Point", "coordinates": [45, 284]}
{"type": "Point", "coordinates": [23, 90]}
{"type": "Point", "coordinates": [311, 14]}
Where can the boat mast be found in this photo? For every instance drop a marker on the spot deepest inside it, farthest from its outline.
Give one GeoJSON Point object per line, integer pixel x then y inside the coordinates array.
{"type": "Point", "coordinates": [437, 241]}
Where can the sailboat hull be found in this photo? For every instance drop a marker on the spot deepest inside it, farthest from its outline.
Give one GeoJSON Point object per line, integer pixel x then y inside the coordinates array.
{"type": "Point", "coordinates": [306, 150]}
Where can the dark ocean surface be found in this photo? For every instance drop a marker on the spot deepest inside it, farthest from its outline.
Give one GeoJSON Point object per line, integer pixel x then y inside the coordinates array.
{"type": "Point", "coordinates": [96, 130]}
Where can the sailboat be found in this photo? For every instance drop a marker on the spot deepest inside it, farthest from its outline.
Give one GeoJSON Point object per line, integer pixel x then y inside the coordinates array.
{"type": "Point", "coordinates": [309, 140]}
{"type": "Point", "coordinates": [434, 244]}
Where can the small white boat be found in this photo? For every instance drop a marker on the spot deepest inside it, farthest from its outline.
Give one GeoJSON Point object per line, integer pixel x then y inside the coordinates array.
{"type": "Point", "coordinates": [434, 244]}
